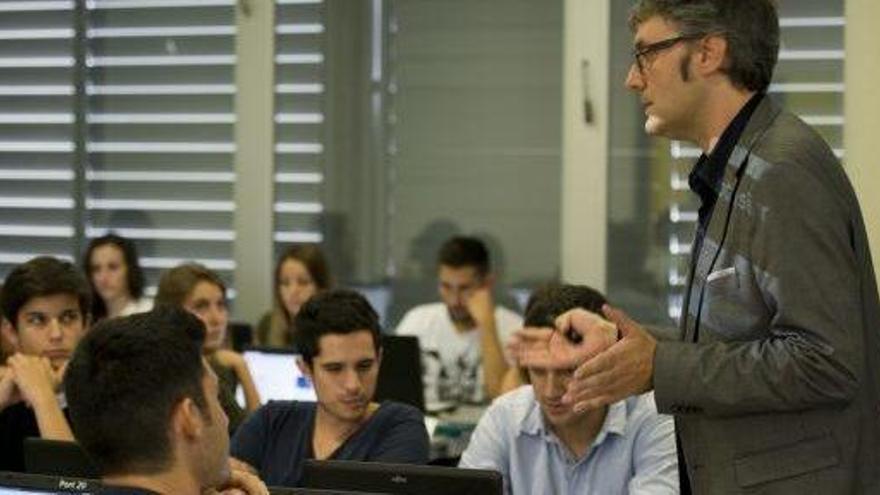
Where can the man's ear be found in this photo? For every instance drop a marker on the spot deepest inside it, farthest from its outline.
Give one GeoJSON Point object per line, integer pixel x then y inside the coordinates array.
{"type": "Point", "coordinates": [187, 420]}
{"type": "Point", "coordinates": [489, 280]}
{"type": "Point", "coordinates": [712, 55]}
{"type": "Point", "coordinates": [8, 333]}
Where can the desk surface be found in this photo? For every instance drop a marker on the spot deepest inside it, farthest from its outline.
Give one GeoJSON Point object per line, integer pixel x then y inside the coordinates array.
{"type": "Point", "coordinates": [451, 431]}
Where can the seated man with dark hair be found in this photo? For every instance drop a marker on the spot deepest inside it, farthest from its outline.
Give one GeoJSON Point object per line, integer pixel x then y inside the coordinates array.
{"type": "Point", "coordinates": [45, 305]}
{"type": "Point", "coordinates": [143, 405]}
{"type": "Point", "coordinates": [462, 337]}
{"type": "Point", "coordinates": [339, 341]}
{"type": "Point", "coordinates": [541, 445]}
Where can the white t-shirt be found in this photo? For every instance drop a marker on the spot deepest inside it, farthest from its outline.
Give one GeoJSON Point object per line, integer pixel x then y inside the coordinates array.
{"type": "Point", "coordinates": [135, 306]}
{"type": "Point", "coordinates": [452, 360]}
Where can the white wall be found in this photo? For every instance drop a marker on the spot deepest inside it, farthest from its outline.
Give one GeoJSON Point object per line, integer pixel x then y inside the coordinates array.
{"type": "Point", "coordinates": [584, 145]}
{"type": "Point", "coordinates": [862, 111]}
{"type": "Point", "coordinates": [255, 144]}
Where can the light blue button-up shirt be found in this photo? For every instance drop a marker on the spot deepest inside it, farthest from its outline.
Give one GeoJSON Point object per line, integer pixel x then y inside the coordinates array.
{"type": "Point", "coordinates": [634, 451]}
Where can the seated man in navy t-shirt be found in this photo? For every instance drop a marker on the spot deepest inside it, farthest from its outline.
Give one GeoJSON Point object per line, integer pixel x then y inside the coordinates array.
{"type": "Point", "coordinates": [45, 311]}
{"type": "Point", "coordinates": [339, 339]}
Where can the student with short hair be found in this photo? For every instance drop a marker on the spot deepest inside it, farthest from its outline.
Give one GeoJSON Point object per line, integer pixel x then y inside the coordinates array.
{"type": "Point", "coordinates": [540, 444]}
{"type": "Point", "coordinates": [45, 305]}
{"type": "Point", "coordinates": [339, 338]}
{"type": "Point", "coordinates": [143, 404]}
{"type": "Point", "coordinates": [463, 335]}
{"type": "Point", "coordinates": [200, 291]}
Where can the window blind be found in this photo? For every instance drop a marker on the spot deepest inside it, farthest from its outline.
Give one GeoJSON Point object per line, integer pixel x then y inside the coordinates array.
{"type": "Point", "coordinates": [299, 121]}
{"type": "Point", "coordinates": [36, 130]}
{"type": "Point", "coordinates": [160, 122]}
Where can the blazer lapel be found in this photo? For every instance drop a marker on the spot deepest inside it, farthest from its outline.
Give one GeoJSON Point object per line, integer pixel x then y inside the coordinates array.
{"type": "Point", "coordinates": [713, 243]}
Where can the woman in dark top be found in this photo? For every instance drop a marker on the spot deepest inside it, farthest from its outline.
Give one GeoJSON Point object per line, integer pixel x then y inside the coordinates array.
{"type": "Point", "coordinates": [200, 291]}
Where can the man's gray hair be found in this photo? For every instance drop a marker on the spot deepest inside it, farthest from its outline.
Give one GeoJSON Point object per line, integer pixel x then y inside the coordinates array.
{"type": "Point", "coordinates": [751, 28]}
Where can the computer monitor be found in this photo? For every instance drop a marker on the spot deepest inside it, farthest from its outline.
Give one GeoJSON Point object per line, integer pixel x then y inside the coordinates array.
{"type": "Point", "coordinates": [276, 376]}
{"type": "Point", "coordinates": [57, 458]}
{"type": "Point", "coordinates": [22, 484]}
{"type": "Point", "coordinates": [400, 478]}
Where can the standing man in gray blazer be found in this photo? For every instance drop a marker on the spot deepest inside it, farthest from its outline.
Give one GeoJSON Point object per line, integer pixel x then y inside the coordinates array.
{"type": "Point", "coordinates": [774, 379]}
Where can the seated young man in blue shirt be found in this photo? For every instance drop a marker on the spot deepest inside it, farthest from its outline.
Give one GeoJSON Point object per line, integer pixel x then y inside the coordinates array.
{"type": "Point", "coordinates": [144, 406]}
{"type": "Point", "coordinates": [541, 445]}
{"type": "Point", "coordinates": [339, 340]}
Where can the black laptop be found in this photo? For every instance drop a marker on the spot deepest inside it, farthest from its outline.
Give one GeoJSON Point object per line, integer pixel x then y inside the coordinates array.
{"type": "Point", "coordinates": [400, 478]}
{"type": "Point", "coordinates": [400, 376]}
{"type": "Point", "coordinates": [57, 458]}
{"type": "Point", "coordinates": [37, 484]}
{"type": "Point", "coordinates": [21, 484]}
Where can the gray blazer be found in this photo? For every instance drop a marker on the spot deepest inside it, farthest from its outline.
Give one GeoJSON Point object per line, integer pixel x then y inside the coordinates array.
{"type": "Point", "coordinates": [774, 379]}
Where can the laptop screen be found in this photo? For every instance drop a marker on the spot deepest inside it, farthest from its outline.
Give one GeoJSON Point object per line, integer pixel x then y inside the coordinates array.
{"type": "Point", "coordinates": [276, 376]}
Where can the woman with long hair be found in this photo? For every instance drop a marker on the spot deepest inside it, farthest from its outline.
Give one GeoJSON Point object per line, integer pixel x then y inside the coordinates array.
{"type": "Point", "coordinates": [301, 272]}
{"type": "Point", "coordinates": [114, 273]}
{"type": "Point", "coordinates": [201, 291]}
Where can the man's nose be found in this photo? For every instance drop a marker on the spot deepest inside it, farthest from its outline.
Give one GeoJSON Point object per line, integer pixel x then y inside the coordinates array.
{"type": "Point", "coordinates": [352, 381]}
{"type": "Point", "coordinates": [215, 315]}
{"type": "Point", "coordinates": [557, 383]}
{"type": "Point", "coordinates": [457, 296]}
{"type": "Point", "coordinates": [634, 80]}
{"type": "Point", "coordinates": [55, 331]}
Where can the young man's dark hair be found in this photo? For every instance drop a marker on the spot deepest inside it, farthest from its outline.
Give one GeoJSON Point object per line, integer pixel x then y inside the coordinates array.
{"type": "Point", "coordinates": [750, 27]}
{"type": "Point", "coordinates": [336, 311]}
{"type": "Point", "coordinates": [43, 276]}
{"type": "Point", "coordinates": [462, 251]}
{"type": "Point", "coordinates": [550, 301]}
{"type": "Point", "coordinates": [123, 382]}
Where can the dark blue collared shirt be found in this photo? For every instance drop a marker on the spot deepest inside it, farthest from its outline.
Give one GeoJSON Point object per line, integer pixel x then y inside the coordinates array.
{"type": "Point", "coordinates": [706, 176]}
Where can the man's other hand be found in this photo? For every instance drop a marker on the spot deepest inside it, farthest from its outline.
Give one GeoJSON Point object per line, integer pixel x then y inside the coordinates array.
{"type": "Point", "coordinates": [626, 368]}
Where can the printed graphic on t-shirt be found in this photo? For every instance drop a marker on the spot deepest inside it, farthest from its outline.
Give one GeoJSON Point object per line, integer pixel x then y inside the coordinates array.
{"type": "Point", "coordinates": [456, 380]}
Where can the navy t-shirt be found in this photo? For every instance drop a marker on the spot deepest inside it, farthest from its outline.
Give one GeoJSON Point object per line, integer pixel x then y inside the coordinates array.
{"type": "Point", "coordinates": [277, 439]}
{"type": "Point", "coordinates": [17, 422]}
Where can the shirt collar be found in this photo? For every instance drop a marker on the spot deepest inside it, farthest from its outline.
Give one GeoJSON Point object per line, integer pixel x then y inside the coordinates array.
{"type": "Point", "coordinates": [532, 422]}
{"type": "Point", "coordinates": [706, 176]}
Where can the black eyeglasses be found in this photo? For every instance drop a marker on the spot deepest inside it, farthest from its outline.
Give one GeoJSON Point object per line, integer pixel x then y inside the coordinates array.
{"type": "Point", "coordinates": [641, 54]}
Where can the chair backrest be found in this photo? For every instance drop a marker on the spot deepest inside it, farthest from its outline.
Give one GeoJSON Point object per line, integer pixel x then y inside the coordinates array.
{"type": "Point", "coordinates": [400, 376]}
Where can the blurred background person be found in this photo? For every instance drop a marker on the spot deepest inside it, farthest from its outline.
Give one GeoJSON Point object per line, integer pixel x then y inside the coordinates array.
{"type": "Point", "coordinates": [114, 273]}
{"type": "Point", "coordinates": [300, 273]}
{"type": "Point", "coordinates": [200, 291]}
